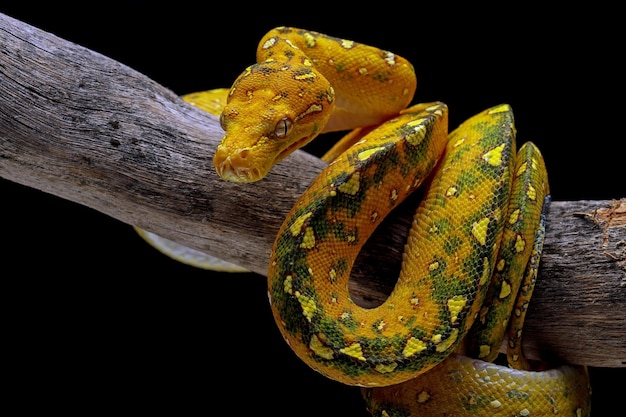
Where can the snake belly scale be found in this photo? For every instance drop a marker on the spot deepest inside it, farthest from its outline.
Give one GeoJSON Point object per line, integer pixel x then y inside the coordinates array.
{"type": "Point", "coordinates": [471, 256]}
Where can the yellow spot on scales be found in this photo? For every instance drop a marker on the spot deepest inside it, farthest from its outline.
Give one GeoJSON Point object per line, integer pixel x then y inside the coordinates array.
{"type": "Point", "coordinates": [390, 58]}
{"type": "Point", "coordinates": [394, 195]}
{"type": "Point", "coordinates": [446, 344]}
{"type": "Point", "coordinates": [479, 230]}
{"type": "Point", "coordinates": [486, 272]}
{"type": "Point", "coordinates": [417, 134]}
{"type": "Point", "coordinates": [501, 264]}
{"type": "Point", "coordinates": [309, 40]}
{"type": "Point", "coordinates": [531, 193]}
{"type": "Point", "coordinates": [354, 350]}
{"type": "Point", "coordinates": [500, 109]}
{"type": "Point", "coordinates": [386, 368]}
{"type": "Point", "coordinates": [514, 217]}
{"type": "Point", "coordinates": [287, 284]}
{"type": "Point", "coordinates": [451, 192]}
{"type": "Point", "coordinates": [520, 244]}
{"type": "Point", "coordinates": [495, 404]}
{"type": "Point", "coordinates": [422, 397]}
{"type": "Point", "coordinates": [288, 42]}
{"type": "Point", "coordinates": [455, 305]}
{"type": "Point", "coordinates": [484, 351]}
{"type": "Point", "coordinates": [307, 304]}
{"type": "Point", "coordinates": [313, 108]}
{"type": "Point", "coordinates": [308, 241]}
{"type": "Point", "coordinates": [494, 156]}
{"type": "Point", "coordinates": [352, 185]}
{"type": "Point", "coordinates": [413, 346]}
{"type": "Point", "coordinates": [332, 275]}
{"type": "Point", "coordinates": [367, 153]}
{"type": "Point", "coordinates": [305, 76]}
{"type": "Point", "coordinates": [505, 290]}
{"type": "Point", "coordinates": [347, 44]}
{"type": "Point", "coordinates": [269, 43]}
{"type": "Point", "coordinates": [459, 142]}
{"type": "Point", "coordinates": [320, 350]}
{"type": "Point", "coordinates": [296, 227]}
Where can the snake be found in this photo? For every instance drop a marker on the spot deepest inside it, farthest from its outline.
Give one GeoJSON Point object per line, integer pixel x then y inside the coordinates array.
{"type": "Point", "coordinates": [471, 258]}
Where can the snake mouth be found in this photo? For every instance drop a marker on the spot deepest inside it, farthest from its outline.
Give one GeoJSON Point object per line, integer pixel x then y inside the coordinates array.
{"type": "Point", "coordinates": [235, 167]}
{"type": "Point", "coordinates": [235, 172]}
{"type": "Point", "coordinates": [291, 148]}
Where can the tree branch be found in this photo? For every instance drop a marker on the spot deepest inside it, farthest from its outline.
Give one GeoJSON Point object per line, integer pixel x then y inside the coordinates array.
{"type": "Point", "coordinates": [81, 126]}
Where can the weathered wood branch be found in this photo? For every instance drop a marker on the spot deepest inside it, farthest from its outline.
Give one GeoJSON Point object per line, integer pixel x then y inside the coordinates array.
{"type": "Point", "coordinates": [81, 126]}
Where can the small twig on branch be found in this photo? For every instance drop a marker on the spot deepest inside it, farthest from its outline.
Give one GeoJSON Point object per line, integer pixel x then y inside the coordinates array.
{"type": "Point", "coordinates": [86, 128]}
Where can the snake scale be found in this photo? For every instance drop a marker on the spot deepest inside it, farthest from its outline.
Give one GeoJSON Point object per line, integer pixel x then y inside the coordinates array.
{"type": "Point", "coordinates": [471, 258]}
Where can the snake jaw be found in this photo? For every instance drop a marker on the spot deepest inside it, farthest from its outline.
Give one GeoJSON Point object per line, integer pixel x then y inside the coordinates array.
{"type": "Point", "coordinates": [297, 144]}
{"type": "Point", "coordinates": [234, 167]}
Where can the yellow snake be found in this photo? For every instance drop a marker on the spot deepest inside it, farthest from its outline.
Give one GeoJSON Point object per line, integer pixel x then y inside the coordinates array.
{"type": "Point", "coordinates": [472, 253]}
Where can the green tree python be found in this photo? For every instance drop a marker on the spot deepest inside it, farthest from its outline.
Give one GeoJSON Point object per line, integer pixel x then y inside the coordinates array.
{"type": "Point", "coordinates": [471, 257]}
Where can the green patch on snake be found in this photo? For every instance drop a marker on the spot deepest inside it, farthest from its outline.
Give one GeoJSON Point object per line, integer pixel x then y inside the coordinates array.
{"type": "Point", "coordinates": [516, 394]}
{"type": "Point", "coordinates": [414, 161]}
{"type": "Point", "coordinates": [321, 227]}
{"type": "Point", "coordinates": [376, 353]}
{"type": "Point", "coordinates": [383, 78]}
{"type": "Point", "coordinates": [348, 321]}
{"type": "Point", "coordinates": [289, 307]}
{"type": "Point", "coordinates": [384, 408]}
{"type": "Point", "coordinates": [351, 203]}
{"type": "Point", "coordinates": [342, 234]}
{"type": "Point", "coordinates": [387, 160]}
{"type": "Point", "coordinates": [410, 322]}
{"type": "Point", "coordinates": [440, 227]}
{"type": "Point", "coordinates": [338, 269]}
{"type": "Point", "coordinates": [497, 173]}
{"type": "Point", "coordinates": [341, 67]}
{"type": "Point", "coordinates": [475, 401]}
{"type": "Point", "coordinates": [452, 243]}
{"type": "Point", "coordinates": [467, 181]}
{"type": "Point", "coordinates": [378, 326]}
{"type": "Point", "coordinates": [493, 208]}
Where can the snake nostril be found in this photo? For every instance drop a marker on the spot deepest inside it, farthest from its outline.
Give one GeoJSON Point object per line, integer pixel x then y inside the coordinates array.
{"type": "Point", "coordinates": [243, 154]}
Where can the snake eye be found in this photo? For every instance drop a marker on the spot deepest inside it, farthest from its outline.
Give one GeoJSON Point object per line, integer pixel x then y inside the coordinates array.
{"type": "Point", "coordinates": [283, 127]}
{"type": "Point", "coordinates": [222, 121]}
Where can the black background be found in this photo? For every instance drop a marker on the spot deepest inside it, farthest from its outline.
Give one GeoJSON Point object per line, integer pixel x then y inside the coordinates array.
{"type": "Point", "coordinates": [104, 322]}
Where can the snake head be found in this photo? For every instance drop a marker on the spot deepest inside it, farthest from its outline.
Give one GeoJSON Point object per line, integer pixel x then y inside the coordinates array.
{"type": "Point", "coordinates": [272, 110]}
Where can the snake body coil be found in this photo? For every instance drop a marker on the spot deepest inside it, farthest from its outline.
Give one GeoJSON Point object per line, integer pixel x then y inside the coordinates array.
{"type": "Point", "coordinates": [472, 253]}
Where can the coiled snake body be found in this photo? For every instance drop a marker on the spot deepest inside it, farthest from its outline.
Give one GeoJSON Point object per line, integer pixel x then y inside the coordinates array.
{"type": "Point", "coordinates": [471, 256]}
